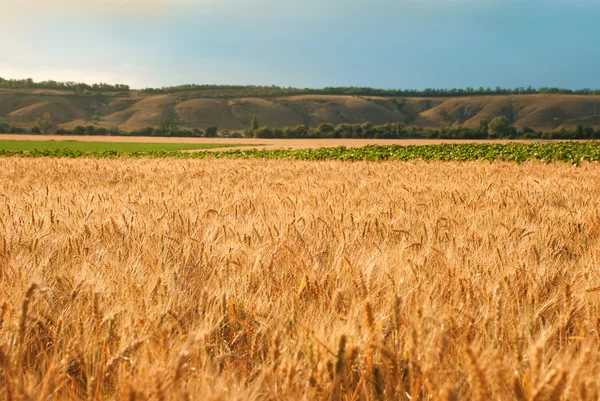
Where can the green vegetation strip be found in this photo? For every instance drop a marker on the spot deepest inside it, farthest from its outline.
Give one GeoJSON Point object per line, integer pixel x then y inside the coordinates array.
{"type": "Point", "coordinates": [70, 148]}
{"type": "Point", "coordinates": [570, 152]}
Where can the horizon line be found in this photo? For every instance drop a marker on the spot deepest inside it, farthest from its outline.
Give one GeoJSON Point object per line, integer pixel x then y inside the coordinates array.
{"type": "Point", "coordinates": [407, 89]}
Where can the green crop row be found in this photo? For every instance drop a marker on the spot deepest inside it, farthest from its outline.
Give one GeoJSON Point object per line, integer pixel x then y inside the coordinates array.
{"type": "Point", "coordinates": [570, 152]}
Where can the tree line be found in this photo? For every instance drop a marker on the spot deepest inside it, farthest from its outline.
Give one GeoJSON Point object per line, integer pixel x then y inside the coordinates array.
{"type": "Point", "coordinates": [267, 91]}
{"type": "Point", "coordinates": [78, 87]}
{"type": "Point", "coordinates": [274, 90]}
{"type": "Point", "coordinates": [498, 128]}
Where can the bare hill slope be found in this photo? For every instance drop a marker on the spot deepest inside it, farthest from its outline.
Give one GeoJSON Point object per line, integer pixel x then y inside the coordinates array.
{"type": "Point", "coordinates": [540, 112]}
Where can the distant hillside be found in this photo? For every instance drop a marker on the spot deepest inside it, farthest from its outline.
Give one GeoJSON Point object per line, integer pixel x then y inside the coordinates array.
{"type": "Point", "coordinates": [137, 109]}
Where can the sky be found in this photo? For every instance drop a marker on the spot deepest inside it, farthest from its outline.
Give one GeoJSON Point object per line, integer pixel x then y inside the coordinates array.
{"type": "Point", "coordinates": [392, 44]}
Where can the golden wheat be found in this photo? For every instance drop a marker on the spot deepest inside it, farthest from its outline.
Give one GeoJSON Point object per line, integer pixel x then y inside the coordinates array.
{"type": "Point", "coordinates": [270, 280]}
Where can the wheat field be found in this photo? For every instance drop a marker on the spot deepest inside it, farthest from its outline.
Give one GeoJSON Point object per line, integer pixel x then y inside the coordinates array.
{"type": "Point", "coordinates": [145, 279]}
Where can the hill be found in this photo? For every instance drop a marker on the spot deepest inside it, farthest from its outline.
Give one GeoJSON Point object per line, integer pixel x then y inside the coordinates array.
{"type": "Point", "coordinates": [138, 109]}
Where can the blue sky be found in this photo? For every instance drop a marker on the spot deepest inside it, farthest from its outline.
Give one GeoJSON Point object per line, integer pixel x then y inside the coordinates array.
{"type": "Point", "coordinates": [305, 43]}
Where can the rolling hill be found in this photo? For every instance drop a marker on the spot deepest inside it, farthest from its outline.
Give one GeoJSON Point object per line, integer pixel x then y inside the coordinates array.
{"type": "Point", "coordinates": [139, 110]}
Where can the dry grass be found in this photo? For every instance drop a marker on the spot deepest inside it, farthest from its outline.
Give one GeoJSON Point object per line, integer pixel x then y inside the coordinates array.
{"type": "Point", "coordinates": [540, 112]}
{"type": "Point", "coordinates": [270, 280]}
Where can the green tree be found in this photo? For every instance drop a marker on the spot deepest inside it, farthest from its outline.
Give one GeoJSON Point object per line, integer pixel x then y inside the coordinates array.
{"type": "Point", "coordinates": [484, 126]}
{"type": "Point", "coordinates": [325, 129]}
{"type": "Point", "coordinates": [343, 131]}
{"type": "Point", "coordinates": [288, 132]}
{"type": "Point", "coordinates": [527, 130]}
{"type": "Point", "coordinates": [4, 124]}
{"type": "Point", "coordinates": [254, 124]}
{"type": "Point", "coordinates": [500, 126]}
{"type": "Point", "coordinates": [211, 132]}
{"type": "Point", "coordinates": [263, 132]}
{"type": "Point", "coordinates": [301, 131]}
{"type": "Point", "coordinates": [44, 123]}
{"type": "Point", "coordinates": [166, 124]}
{"type": "Point", "coordinates": [367, 130]}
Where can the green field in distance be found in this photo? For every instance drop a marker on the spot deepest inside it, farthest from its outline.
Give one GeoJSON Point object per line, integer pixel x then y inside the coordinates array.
{"type": "Point", "coordinates": [107, 146]}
